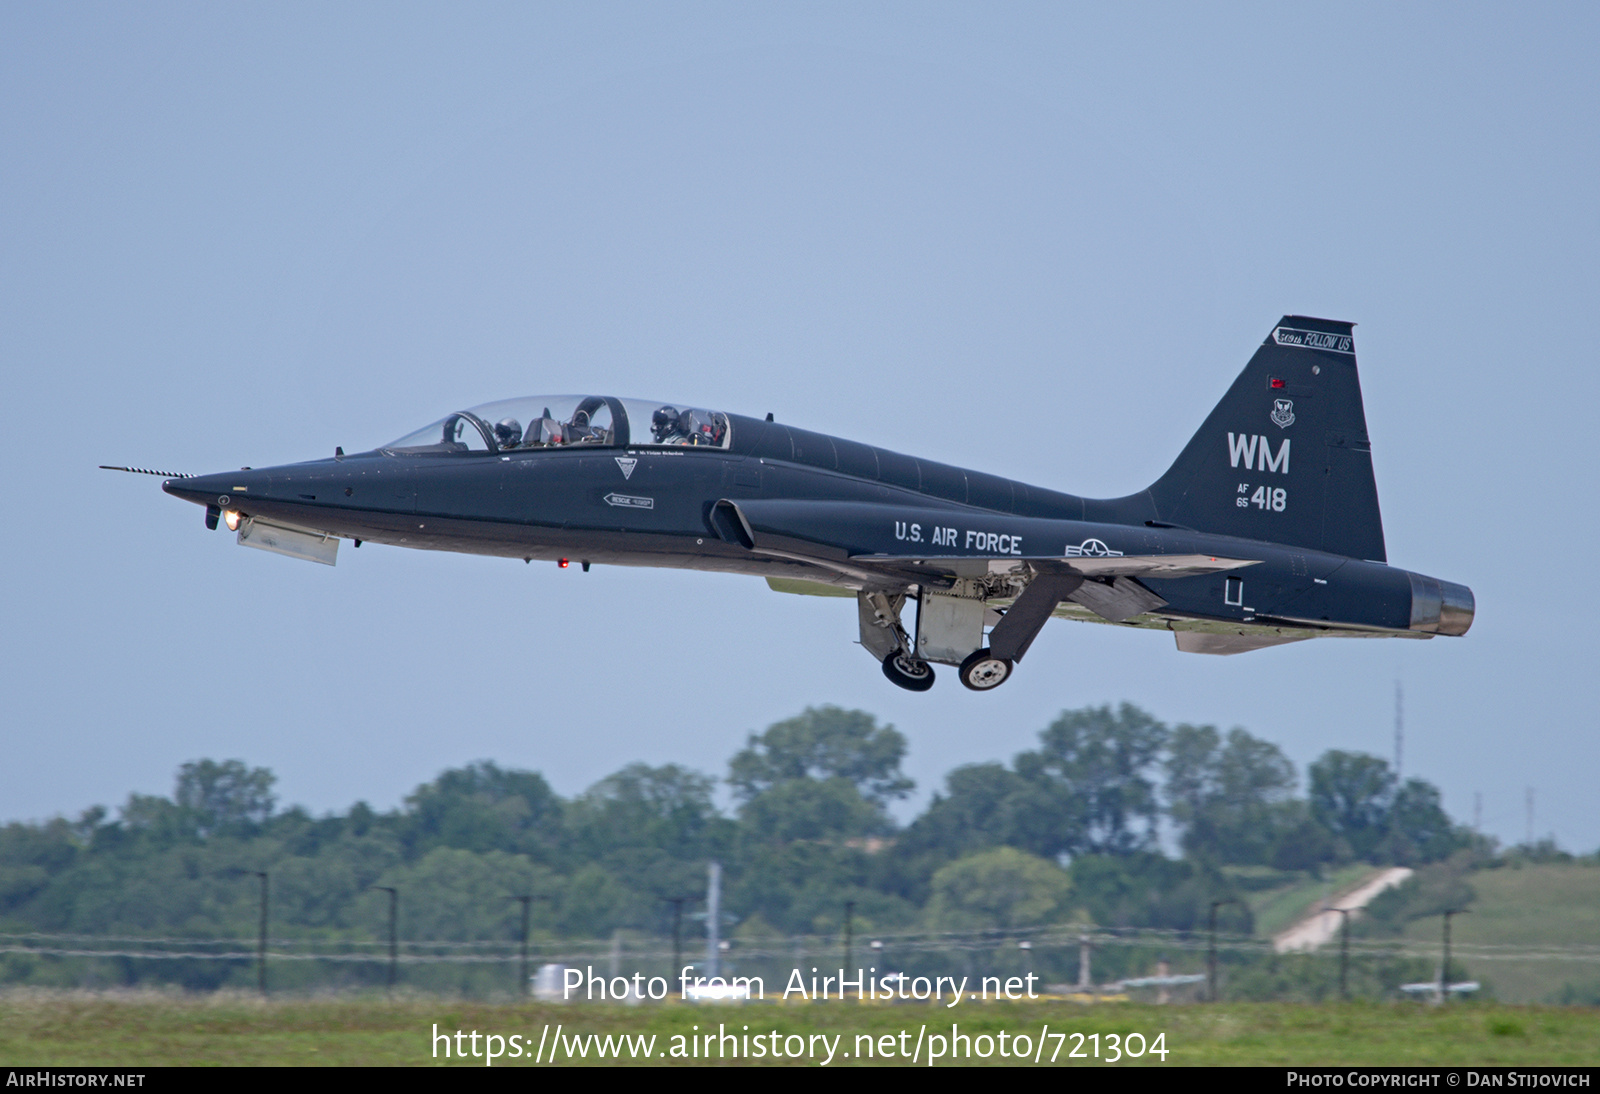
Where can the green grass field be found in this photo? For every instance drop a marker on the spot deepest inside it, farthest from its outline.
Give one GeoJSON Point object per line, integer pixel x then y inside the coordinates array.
{"type": "Point", "coordinates": [1526, 907]}
{"type": "Point", "coordinates": [1278, 909]}
{"type": "Point", "coordinates": [152, 1030]}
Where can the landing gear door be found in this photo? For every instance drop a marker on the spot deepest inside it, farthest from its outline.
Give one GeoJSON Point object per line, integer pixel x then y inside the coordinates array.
{"type": "Point", "coordinates": [880, 622]}
{"type": "Point", "coordinates": [948, 628]}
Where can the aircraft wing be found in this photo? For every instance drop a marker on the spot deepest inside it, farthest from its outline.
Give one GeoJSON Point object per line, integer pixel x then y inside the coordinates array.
{"type": "Point", "coordinates": [1159, 566]}
{"type": "Point", "coordinates": [867, 540]}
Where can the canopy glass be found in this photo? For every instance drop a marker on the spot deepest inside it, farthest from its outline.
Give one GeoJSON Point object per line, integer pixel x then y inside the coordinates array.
{"type": "Point", "coordinates": [561, 421]}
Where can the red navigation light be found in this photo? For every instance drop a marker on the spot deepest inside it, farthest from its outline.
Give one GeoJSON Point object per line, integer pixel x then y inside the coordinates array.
{"type": "Point", "coordinates": [1275, 382]}
{"type": "Point", "coordinates": [563, 564]}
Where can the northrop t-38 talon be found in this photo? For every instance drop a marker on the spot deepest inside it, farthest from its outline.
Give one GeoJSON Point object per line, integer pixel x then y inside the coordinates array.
{"type": "Point", "coordinates": [1265, 531]}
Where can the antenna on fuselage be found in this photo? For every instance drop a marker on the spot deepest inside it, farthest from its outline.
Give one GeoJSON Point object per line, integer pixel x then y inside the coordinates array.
{"type": "Point", "coordinates": [1399, 729]}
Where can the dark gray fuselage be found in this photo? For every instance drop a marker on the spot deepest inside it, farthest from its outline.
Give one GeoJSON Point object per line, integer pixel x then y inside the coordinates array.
{"type": "Point", "coordinates": [576, 502]}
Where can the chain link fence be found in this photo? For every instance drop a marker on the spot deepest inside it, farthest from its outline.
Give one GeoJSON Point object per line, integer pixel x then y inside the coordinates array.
{"type": "Point", "coordinates": [1089, 963]}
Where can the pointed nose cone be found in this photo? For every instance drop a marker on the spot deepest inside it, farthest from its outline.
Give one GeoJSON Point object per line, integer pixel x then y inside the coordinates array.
{"type": "Point", "coordinates": [231, 488]}
{"type": "Point", "coordinates": [186, 489]}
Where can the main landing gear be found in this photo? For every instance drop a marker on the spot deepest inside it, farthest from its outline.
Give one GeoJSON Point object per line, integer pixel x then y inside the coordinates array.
{"type": "Point", "coordinates": [949, 626]}
{"type": "Point", "coordinates": [885, 638]}
{"type": "Point", "coordinates": [908, 672]}
{"type": "Point", "coordinates": [983, 671]}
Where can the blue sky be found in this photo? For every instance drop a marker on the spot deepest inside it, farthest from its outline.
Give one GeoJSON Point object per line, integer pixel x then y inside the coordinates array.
{"type": "Point", "coordinates": [1037, 240]}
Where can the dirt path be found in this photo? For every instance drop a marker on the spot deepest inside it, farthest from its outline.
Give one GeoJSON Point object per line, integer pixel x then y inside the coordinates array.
{"type": "Point", "coordinates": [1322, 925]}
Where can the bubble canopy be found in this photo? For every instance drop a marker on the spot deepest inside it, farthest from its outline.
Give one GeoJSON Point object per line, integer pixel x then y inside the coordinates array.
{"type": "Point", "coordinates": [564, 421]}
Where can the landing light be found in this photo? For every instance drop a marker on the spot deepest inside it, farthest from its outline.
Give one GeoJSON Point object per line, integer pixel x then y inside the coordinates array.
{"type": "Point", "coordinates": [232, 518]}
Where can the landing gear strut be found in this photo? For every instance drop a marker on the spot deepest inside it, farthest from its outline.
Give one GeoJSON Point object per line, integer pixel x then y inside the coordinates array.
{"type": "Point", "coordinates": [886, 639]}
{"type": "Point", "coordinates": [908, 672]}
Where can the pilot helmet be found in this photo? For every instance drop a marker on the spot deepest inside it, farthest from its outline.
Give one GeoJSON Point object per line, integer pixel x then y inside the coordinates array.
{"type": "Point", "coordinates": [508, 433]}
{"type": "Point", "coordinates": [692, 426]}
{"type": "Point", "coordinates": [664, 421]}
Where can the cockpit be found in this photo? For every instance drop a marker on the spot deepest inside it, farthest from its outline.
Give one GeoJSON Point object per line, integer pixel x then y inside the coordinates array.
{"type": "Point", "coordinates": [565, 421]}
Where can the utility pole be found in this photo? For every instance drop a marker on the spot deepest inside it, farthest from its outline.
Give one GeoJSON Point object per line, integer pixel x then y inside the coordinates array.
{"type": "Point", "coordinates": [261, 938]}
{"type": "Point", "coordinates": [1399, 729]}
{"type": "Point", "coordinates": [527, 911]}
{"type": "Point", "coordinates": [1344, 952]}
{"type": "Point", "coordinates": [1477, 812]}
{"type": "Point", "coordinates": [394, 944]}
{"type": "Point", "coordinates": [1529, 843]}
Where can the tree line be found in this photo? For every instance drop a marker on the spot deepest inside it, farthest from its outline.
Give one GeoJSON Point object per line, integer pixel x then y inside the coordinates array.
{"type": "Point", "coordinates": [1068, 831]}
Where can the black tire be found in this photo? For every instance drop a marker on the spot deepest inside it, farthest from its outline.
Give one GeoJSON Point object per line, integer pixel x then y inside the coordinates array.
{"type": "Point", "coordinates": [907, 672]}
{"type": "Point", "coordinates": [983, 671]}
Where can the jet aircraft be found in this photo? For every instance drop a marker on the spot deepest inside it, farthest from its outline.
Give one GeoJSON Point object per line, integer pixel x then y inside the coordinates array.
{"type": "Point", "coordinates": [1265, 531]}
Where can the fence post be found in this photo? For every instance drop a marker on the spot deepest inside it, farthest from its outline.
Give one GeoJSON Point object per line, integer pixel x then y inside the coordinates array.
{"type": "Point", "coordinates": [394, 944]}
{"type": "Point", "coordinates": [261, 938]}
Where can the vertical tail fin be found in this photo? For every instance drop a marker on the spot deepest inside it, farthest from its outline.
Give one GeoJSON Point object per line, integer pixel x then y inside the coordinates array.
{"type": "Point", "coordinates": [1285, 456]}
